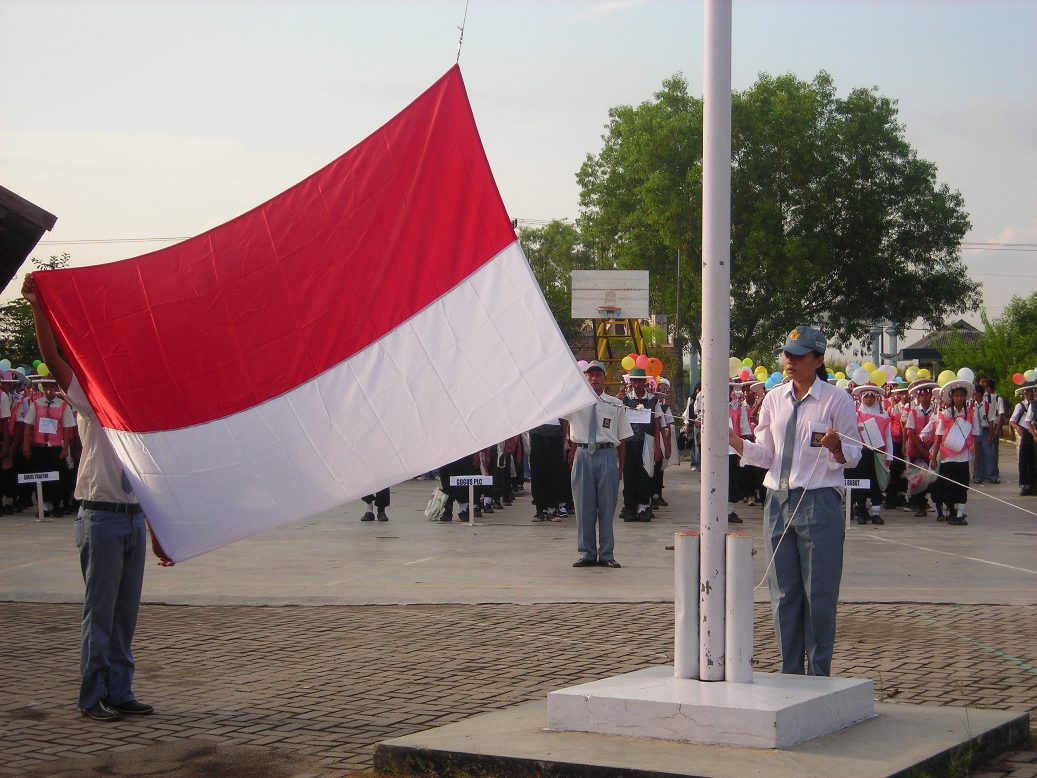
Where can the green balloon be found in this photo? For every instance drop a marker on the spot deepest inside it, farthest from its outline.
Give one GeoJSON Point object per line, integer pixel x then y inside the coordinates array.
{"type": "Point", "coordinates": [36, 363]}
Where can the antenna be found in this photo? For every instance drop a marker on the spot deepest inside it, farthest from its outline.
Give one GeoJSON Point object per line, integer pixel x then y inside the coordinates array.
{"type": "Point", "coordinates": [460, 38]}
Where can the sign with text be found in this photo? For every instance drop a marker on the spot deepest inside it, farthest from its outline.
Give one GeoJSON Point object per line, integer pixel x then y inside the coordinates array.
{"type": "Point", "coordinates": [32, 478]}
{"type": "Point", "coordinates": [471, 480]}
{"type": "Point", "coordinates": [857, 483]}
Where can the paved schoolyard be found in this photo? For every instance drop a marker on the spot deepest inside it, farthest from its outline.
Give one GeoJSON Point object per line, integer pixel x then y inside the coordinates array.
{"type": "Point", "coordinates": [426, 624]}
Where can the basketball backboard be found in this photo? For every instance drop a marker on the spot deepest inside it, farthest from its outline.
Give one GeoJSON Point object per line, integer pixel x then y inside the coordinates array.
{"type": "Point", "coordinates": [610, 294]}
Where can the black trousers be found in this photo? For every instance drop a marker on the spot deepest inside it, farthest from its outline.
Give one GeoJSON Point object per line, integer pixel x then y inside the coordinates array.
{"type": "Point", "coordinates": [379, 498]}
{"type": "Point", "coordinates": [548, 471]}
{"type": "Point", "coordinates": [866, 468]}
{"type": "Point", "coordinates": [1026, 460]}
{"type": "Point", "coordinates": [896, 476]}
{"type": "Point", "coordinates": [637, 484]}
{"type": "Point", "coordinates": [44, 459]}
{"type": "Point", "coordinates": [955, 490]}
{"type": "Point", "coordinates": [735, 486]}
{"type": "Point", "coordinates": [462, 466]}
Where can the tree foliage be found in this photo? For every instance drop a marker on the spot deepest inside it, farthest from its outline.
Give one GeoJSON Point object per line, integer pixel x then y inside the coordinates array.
{"type": "Point", "coordinates": [835, 218]}
{"type": "Point", "coordinates": [554, 251]}
{"type": "Point", "coordinates": [1007, 346]}
{"type": "Point", "coordinates": [17, 331]}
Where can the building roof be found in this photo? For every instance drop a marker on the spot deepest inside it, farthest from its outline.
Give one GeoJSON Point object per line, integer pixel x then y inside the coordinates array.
{"type": "Point", "coordinates": [22, 224]}
{"type": "Point", "coordinates": [927, 349]}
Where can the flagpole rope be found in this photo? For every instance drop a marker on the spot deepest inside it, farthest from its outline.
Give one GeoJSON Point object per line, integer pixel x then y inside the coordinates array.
{"type": "Point", "coordinates": [460, 38]}
{"type": "Point", "coordinates": [945, 478]}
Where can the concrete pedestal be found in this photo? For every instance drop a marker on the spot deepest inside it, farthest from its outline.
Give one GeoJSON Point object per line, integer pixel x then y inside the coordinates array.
{"type": "Point", "coordinates": [774, 711]}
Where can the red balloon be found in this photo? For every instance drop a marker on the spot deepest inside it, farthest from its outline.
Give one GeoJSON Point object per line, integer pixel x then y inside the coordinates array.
{"type": "Point", "coordinates": [633, 356]}
{"type": "Point", "coordinates": [1018, 379]}
{"type": "Point", "coordinates": [655, 367]}
{"type": "Point", "coordinates": [744, 374]}
{"type": "Point", "coordinates": [642, 361]}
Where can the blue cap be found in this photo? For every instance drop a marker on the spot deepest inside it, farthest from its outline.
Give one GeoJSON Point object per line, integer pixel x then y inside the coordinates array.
{"type": "Point", "coordinates": [803, 339]}
{"type": "Point", "coordinates": [595, 365]}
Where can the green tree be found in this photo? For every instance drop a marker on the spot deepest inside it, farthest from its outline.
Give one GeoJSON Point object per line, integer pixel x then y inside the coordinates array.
{"type": "Point", "coordinates": [835, 218]}
{"type": "Point", "coordinates": [1007, 346]}
{"type": "Point", "coordinates": [554, 251]}
{"type": "Point", "coordinates": [17, 331]}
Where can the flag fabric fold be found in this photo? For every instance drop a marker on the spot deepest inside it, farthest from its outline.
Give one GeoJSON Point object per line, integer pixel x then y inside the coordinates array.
{"type": "Point", "coordinates": [372, 322]}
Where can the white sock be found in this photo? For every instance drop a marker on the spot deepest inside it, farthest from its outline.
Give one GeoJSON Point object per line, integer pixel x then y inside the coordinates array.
{"type": "Point", "coordinates": [641, 507]}
{"type": "Point", "coordinates": [876, 510]}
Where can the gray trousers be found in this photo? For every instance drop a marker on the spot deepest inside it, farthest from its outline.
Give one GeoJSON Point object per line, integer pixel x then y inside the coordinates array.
{"type": "Point", "coordinates": [595, 481]}
{"type": "Point", "coordinates": [804, 580]}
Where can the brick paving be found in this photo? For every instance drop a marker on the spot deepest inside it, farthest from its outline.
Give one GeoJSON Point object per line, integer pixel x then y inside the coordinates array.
{"type": "Point", "coordinates": [327, 683]}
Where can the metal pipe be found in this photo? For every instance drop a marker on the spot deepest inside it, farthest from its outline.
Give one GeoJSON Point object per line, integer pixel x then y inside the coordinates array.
{"type": "Point", "coordinates": [686, 604]}
{"type": "Point", "coordinates": [738, 642]}
{"type": "Point", "coordinates": [716, 332]}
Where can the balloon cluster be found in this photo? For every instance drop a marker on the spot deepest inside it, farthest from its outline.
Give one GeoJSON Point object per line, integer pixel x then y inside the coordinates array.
{"type": "Point", "coordinates": [963, 374]}
{"type": "Point", "coordinates": [652, 366]}
{"type": "Point", "coordinates": [5, 367]}
{"type": "Point", "coordinates": [1025, 378]}
{"type": "Point", "coordinates": [743, 370]}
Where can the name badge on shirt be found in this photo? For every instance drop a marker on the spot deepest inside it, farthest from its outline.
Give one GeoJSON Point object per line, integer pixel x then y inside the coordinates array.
{"type": "Point", "coordinates": [817, 431]}
{"type": "Point", "coordinates": [635, 416]}
{"type": "Point", "coordinates": [49, 426]}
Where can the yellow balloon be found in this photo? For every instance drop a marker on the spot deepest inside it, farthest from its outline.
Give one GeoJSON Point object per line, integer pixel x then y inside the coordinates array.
{"type": "Point", "coordinates": [628, 363]}
{"type": "Point", "coordinates": [869, 366]}
{"type": "Point", "coordinates": [734, 367]}
{"type": "Point", "coordinates": [878, 377]}
{"type": "Point", "coordinates": [747, 362]}
{"type": "Point", "coordinates": [43, 370]}
{"type": "Point", "coordinates": [840, 375]}
{"type": "Point", "coordinates": [911, 373]}
{"type": "Point", "coordinates": [924, 373]}
{"type": "Point", "coordinates": [946, 377]}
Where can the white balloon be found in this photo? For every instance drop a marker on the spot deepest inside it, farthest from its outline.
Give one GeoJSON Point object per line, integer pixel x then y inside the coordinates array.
{"type": "Point", "coordinates": [966, 374]}
{"type": "Point", "coordinates": [861, 376]}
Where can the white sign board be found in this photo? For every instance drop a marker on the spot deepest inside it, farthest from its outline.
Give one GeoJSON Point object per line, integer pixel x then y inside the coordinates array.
{"type": "Point", "coordinates": [32, 478]}
{"type": "Point", "coordinates": [623, 289]}
{"type": "Point", "coordinates": [471, 480]}
{"type": "Point", "coordinates": [857, 483]}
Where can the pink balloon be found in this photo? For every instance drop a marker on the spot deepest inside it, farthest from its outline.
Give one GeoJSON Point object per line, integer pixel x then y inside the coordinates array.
{"type": "Point", "coordinates": [641, 361]}
{"type": "Point", "coordinates": [745, 375]}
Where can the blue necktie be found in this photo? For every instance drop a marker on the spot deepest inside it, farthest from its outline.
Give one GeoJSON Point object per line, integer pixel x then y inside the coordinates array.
{"type": "Point", "coordinates": [788, 449]}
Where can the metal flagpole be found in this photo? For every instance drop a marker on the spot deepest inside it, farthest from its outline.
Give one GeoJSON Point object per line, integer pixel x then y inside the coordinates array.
{"type": "Point", "coordinates": [716, 332]}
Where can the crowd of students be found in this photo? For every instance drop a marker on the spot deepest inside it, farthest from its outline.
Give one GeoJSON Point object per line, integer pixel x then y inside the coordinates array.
{"type": "Point", "coordinates": [923, 442]}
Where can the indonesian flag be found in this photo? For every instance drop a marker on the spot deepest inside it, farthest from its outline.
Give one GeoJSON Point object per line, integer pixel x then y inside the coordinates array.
{"type": "Point", "coordinates": [373, 322]}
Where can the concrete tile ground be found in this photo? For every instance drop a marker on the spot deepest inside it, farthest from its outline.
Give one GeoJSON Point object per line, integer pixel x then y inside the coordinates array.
{"type": "Point", "coordinates": [324, 684]}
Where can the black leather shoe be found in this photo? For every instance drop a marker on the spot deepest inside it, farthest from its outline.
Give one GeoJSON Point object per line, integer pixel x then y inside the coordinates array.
{"type": "Point", "coordinates": [132, 708]}
{"type": "Point", "coordinates": [877, 519]}
{"type": "Point", "coordinates": [734, 518]}
{"type": "Point", "coordinates": [661, 502]}
{"type": "Point", "coordinates": [100, 713]}
{"type": "Point", "coordinates": [382, 516]}
{"type": "Point", "coordinates": [645, 515]}
{"type": "Point", "coordinates": [585, 563]}
{"type": "Point", "coordinates": [368, 516]}
{"type": "Point", "coordinates": [609, 563]}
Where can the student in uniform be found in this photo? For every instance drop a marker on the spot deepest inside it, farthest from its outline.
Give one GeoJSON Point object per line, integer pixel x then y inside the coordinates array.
{"type": "Point", "coordinates": [807, 435]}
{"type": "Point", "coordinates": [637, 480]}
{"type": "Point", "coordinates": [919, 444]}
{"type": "Point", "coordinates": [957, 428]}
{"type": "Point", "coordinates": [1022, 422]}
{"type": "Point", "coordinates": [46, 439]}
{"type": "Point", "coordinates": [873, 426]}
{"type": "Point", "coordinates": [594, 436]}
{"type": "Point", "coordinates": [380, 501]}
{"type": "Point", "coordinates": [668, 443]}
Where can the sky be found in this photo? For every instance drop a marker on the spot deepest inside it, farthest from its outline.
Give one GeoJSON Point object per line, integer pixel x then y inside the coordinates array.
{"type": "Point", "coordinates": [144, 119]}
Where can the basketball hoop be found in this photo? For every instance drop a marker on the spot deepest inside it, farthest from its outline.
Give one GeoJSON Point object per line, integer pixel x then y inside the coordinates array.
{"type": "Point", "coordinates": [611, 312]}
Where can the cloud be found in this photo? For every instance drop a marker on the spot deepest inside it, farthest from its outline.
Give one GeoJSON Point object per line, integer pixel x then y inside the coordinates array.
{"type": "Point", "coordinates": [601, 10]}
{"type": "Point", "coordinates": [1015, 233]}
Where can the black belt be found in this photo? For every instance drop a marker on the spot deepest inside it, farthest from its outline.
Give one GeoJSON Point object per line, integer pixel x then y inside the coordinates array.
{"type": "Point", "coordinates": [596, 445]}
{"type": "Point", "coordinates": [129, 508]}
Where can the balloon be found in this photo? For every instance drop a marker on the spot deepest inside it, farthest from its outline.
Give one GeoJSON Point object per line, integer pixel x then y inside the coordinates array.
{"type": "Point", "coordinates": [1030, 375]}
{"type": "Point", "coordinates": [36, 363]}
{"type": "Point", "coordinates": [898, 380]}
{"type": "Point", "coordinates": [745, 375]}
{"type": "Point", "coordinates": [840, 374]}
{"type": "Point", "coordinates": [911, 373]}
{"type": "Point", "coordinates": [945, 377]}
{"type": "Point", "coordinates": [582, 364]}
{"type": "Point", "coordinates": [924, 373]}
{"type": "Point", "coordinates": [734, 366]}
{"type": "Point", "coordinates": [628, 363]}
{"type": "Point", "coordinates": [655, 367]}
{"type": "Point", "coordinates": [776, 376]}
{"type": "Point", "coordinates": [1018, 379]}
{"type": "Point", "coordinates": [760, 371]}
{"type": "Point", "coordinates": [878, 377]}
{"type": "Point", "coordinates": [43, 370]}
{"type": "Point", "coordinates": [5, 364]}
{"type": "Point", "coordinates": [747, 362]}
{"type": "Point", "coordinates": [966, 374]}
{"type": "Point", "coordinates": [842, 383]}
{"type": "Point", "coordinates": [890, 371]}
{"type": "Point", "coordinates": [869, 366]}
{"type": "Point", "coordinates": [860, 376]}
{"type": "Point", "coordinates": [641, 361]}
{"type": "Point", "coordinates": [852, 366]}
{"type": "Point", "coordinates": [22, 370]}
